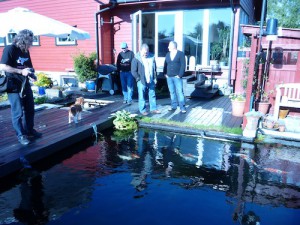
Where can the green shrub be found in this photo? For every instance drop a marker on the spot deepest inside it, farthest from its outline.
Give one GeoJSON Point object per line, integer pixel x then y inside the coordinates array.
{"type": "Point", "coordinates": [84, 66]}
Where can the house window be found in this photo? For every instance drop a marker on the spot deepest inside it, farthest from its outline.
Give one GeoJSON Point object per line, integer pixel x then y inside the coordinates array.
{"type": "Point", "coordinates": [2, 41]}
{"type": "Point", "coordinates": [193, 34]}
{"type": "Point", "coordinates": [65, 41]}
{"type": "Point", "coordinates": [10, 37]}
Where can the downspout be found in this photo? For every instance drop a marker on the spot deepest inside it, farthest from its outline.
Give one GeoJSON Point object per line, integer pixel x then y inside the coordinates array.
{"type": "Point", "coordinates": [231, 43]}
{"type": "Point", "coordinates": [97, 28]}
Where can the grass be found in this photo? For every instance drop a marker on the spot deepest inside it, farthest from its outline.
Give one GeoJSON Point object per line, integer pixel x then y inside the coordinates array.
{"type": "Point", "coordinates": [235, 130]}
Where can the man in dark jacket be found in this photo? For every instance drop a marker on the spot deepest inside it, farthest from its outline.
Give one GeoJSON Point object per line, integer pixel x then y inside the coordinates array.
{"type": "Point", "coordinates": [124, 66]}
{"type": "Point", "coordinates": [17, 65]}
{"type": "Point", "coordinates": [143, 69]}
{"type": "Point", "coordinates": [174, 68]}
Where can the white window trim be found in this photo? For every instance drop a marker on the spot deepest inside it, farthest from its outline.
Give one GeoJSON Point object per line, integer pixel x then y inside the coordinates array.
{"type": "Point", "coordinates": [65, 43]}
{"type": "Point", "coordinates": [34, 43]}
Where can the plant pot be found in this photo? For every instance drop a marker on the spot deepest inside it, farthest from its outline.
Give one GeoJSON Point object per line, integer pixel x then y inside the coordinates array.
{"type": "Point", "coordinates": [283, 113]}
{"type": "Point", "coordinates": [90, 85]}
{"type": "Point", "coordinates": [263, 107]}
{"type": "Point", "coordinates": [42, 90]}
{"type": "Point", "coordinates": [238, 108]}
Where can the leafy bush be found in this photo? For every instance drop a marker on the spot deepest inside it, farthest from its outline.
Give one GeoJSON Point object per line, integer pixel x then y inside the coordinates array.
{"type": "Point", "coordinates": [43, 80]}
{"type": "Point", "coordinates": [84, 66]}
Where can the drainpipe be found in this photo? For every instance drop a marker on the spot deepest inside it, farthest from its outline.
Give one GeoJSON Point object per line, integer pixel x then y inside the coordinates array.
{"type": "Point", "coordinates": [231, 43]}
{"type": "Point", "coordinates": [97, 28]}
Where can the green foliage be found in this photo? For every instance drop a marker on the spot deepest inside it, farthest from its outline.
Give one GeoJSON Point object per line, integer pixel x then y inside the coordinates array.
{"type": "Point", "coordinates": [245, 73]}
{"type": "Point", "coordinates": [3, 97]}
{"type": "Point", "coordinates": [124, 120]}
{"type": "Point", "coordinates": [40, 100]}
{"type": "Point", "coordinates": [235, 130]}
{"type": "Point", "coordinates": [43, 80]}
{"type": "Point", "coordinates": [286, 11]}
{"type": "Point", "coordinates": [84, 66]}
{"type": "Point", "coordinates": [216, 51]}
{"type": "Point", "coordinates": [237, 97]}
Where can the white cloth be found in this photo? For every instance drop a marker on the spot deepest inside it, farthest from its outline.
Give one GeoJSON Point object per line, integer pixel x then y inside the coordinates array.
{"type": "Point", "coordinates": [148, 65]}
{"type": "Point", "coordinates": [173, 54]}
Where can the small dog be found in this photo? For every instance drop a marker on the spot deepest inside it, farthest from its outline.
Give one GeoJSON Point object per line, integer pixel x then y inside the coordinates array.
{"type": "Point", "coordinates": [75, 110]}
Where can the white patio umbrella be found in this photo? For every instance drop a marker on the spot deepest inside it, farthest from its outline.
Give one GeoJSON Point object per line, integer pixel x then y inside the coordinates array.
{"type": "Point", "coordinates": [19, 18]}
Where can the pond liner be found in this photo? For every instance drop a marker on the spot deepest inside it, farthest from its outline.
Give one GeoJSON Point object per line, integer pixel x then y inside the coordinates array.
{"type": "Point", "coordinates": [189, 131]}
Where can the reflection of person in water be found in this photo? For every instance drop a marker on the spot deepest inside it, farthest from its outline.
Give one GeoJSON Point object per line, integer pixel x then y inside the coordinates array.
{"type": "Point", "coordinates": [31, 209]}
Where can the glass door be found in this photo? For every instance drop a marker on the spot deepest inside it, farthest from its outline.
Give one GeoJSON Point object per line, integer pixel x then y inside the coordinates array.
{"type": "Point", "coordinates": [136, 31]}
{"type": "Point", "coordinates": [168, 27]}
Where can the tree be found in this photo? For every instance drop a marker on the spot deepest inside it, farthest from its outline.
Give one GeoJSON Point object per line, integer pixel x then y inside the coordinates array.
{"type": "Point", "coordinates": [286, 11]}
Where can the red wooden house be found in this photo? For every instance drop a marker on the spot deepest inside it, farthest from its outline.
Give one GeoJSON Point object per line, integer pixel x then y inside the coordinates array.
{"type": "Point", "coordinates": [196, 26]}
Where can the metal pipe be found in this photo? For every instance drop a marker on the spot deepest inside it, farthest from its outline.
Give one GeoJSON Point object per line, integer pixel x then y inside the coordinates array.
{"type": "Point", "coordinates": [97, 28]}
{"type": "Point", "coordinates": [231, 42]}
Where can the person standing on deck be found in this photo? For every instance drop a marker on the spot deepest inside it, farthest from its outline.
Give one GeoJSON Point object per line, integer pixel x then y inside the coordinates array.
{"type": "Point", "coordinates": [124, 66]}
{"type": "Point", "coordinates": [143, 69]}
{"type": "Point", "coordinates": [174, 68]}
{"type": "Point", "coordinates": [17, 65]}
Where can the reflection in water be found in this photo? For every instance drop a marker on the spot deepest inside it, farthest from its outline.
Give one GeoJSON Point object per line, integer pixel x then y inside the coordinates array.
{"type": "Point", "coordinates": [207, 176]}
{"type": "Point", "coordinates": [31, 209]}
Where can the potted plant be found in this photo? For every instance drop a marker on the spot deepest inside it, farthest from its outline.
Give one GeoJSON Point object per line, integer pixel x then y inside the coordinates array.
{"type": "Point", "coordinates": [224, 37]}
{"type": "Point", "coordinates": [238, 104]}
{"type": "Point", "coordinates": [264, 104]}
{"type": "Point", "coordinates": [123, 120]}
{"type": "Point", "coordinates": [215, 55]}
{"type": "Point", "coordinates": [85, 70]}
{"type": "Point", "coordinates": [43, 82]}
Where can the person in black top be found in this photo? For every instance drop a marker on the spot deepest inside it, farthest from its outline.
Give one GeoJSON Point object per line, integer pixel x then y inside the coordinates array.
{"type": "Point", "coordinates": [17, 65]}
{"type": "Point", "coordinates": [174, 68]}
{"type": "Point", "coordinates": [124, 66]}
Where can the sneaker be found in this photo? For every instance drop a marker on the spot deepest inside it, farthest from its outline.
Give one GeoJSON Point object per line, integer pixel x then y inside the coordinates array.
{"type": "Point", "coordinates": [23, 140]}
{"type": "Point", "coordinates": [144, 113]}
{"type": "Point", "coordinates": [183, 111]}
{"type": "Point", "coordinates": [129, 103]}
{"type": "Point", "coordinates": [124, 101]}
{"type": "Point", "coordinates": [171, 109]}
{"type": "Point", "coordinates": [155, 112]}
{"type": "Point", "coordinates": [34, 134]}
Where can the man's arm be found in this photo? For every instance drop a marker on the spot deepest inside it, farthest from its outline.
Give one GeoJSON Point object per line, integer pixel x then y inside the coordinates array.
{"type": "Point", "coordinates": [9, 69]}
{"type": "Point", "coordinates": [182, 65]}
{"type": "Point", "coordinates": [134, 70]}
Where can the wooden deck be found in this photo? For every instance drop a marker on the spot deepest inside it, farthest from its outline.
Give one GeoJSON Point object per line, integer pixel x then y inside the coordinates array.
{"type": "Point", "coordinates": [58, 134]}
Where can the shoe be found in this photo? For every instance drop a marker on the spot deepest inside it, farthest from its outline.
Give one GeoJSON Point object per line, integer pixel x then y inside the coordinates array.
{"type": "Point", "coordinates": [124, 101]}
{"type": "Point", "coordinates": [171, 109]}
{"type": "Point", "coordinates": [155, 112]}
{"type": "Point", "coordinates": [183, 111]}
{"type": "Point", "coordinates": [144, 113]}
{"type": "Point", "coordinates": [129, 103]}
{"type": "Point", "coordinates": [23, 140]}
{"type": "Point", "coordinates": [34, 134]}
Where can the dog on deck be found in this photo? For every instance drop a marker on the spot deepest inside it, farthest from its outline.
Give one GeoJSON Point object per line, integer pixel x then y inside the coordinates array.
{"type": "Point", "coordinates": [75, 110]}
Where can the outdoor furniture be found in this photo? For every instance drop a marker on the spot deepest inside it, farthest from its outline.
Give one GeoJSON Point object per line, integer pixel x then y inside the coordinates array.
{"type": "Point", "coordinates": [107, 78]}
{"type": "Point", "coordinates": [195, 85]}
{"type": "Point", "coordinates": [287, 95]}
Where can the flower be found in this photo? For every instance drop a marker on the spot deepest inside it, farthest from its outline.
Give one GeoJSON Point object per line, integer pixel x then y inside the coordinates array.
{"type": "Point", "coordinates": [237, 97]}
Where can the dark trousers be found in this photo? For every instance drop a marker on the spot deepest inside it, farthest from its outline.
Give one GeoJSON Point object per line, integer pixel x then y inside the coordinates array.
{"type": "Point", "coordinates": [22, 112]}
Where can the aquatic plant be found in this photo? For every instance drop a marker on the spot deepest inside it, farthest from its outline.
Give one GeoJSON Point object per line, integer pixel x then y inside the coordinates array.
{"type": "Point", "coordinates": [124, 120]}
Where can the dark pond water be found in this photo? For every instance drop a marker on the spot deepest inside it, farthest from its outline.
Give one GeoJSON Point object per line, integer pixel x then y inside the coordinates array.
{"type": "Point", "coordinates": [157, 178]}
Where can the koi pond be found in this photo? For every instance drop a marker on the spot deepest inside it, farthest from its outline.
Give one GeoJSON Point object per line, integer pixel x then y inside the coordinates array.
{"type": "Point", "coordinates": [151, 177]}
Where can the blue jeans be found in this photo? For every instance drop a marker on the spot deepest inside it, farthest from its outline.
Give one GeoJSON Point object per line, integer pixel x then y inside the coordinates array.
{"type": "Point", "coordinates": [22, 112]}
{"type": "Point", "coordinates": [142, 90]}
{"type": "Point", "coordinates": [127, 85]}
{"type": "Point", "coordinates": [176, 92]}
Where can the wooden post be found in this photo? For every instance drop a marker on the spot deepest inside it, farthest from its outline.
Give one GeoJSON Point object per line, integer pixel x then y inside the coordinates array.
{"type": "Point", "coordinates": [253, 53]}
